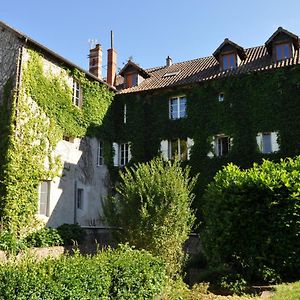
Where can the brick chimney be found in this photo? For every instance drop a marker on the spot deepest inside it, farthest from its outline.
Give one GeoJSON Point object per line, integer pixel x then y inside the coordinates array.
{"type": "Point", "coordinates": [95, 66]}
{"type": "Point", "coordinates": [111, 63]}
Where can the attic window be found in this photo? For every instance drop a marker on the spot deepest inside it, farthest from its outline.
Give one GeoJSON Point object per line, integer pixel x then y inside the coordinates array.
{"type": "Point", "coordinates": [283, 51]}
{"type": "Point", "coordinates": [229, 61]}
{"type": "Point", "coordinates": [171, 74]}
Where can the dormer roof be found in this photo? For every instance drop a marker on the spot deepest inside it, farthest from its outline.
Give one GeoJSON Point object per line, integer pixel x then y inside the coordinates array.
{"type": "Point", "coordinates": [240, 50]}
{"type": "Point", "coordinates": [282, 32]}
{"type": "Point", "coordinates": [131, 66]}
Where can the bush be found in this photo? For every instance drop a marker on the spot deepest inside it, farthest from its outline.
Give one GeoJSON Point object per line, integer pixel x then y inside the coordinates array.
{"type": "Point", "coordinates": [45, 237]}
{"type": "Point", "coordinates": [71, 233]}
{"type": "Point", "coordinates": [10, 243]}
{"type": "Point", "coordinates": [153, 209]}
{"type": "Point", "coordinates": [251, 220]}
{"type": "Point", "coordinates": [114, 274]}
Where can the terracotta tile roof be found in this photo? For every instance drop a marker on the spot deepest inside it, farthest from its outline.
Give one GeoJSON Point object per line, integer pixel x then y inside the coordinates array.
{"type": "Point", "coordinates": [207, 68]}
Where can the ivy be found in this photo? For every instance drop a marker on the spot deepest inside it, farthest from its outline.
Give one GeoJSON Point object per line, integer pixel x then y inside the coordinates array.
{"type": "Point", "coordinates": [256, 102]}
{"type": "Point", "coordinates": [41, 113]}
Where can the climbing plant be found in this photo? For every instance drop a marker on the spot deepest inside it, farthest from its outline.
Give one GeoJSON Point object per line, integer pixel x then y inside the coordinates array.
{"type": "Point", "coordinates": [262, 101]}
{"type": "Point", "coordinates": [41, 113]}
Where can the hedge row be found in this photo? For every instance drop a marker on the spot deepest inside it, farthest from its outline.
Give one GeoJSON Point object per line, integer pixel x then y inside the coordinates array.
{"type": "Point", "coordinates": [123, 273]}
{"type": "Point", "coordinates": [251, 220]}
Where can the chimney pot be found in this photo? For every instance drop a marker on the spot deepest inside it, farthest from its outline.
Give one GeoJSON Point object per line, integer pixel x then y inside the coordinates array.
{"type": "Point", "coordinates": [169, 61]}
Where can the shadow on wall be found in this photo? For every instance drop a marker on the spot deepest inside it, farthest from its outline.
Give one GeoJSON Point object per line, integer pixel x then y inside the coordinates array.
{"type": "Point", "coordinates": [75, 197]}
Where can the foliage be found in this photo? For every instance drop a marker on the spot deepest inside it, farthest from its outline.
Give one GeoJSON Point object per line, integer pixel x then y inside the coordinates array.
{"type": "Point", "coordinates": [287, 291]}
{"type": "Point", "coordinates": [251, 220]}
{"type": "Point", "coordinates": [71, 233]}
{"type": "Point", "coordinates": [114, 274]}
{"type": "Point", "coordinates": [10, 243]}
{"type": "Point", "coordinates": [153, 209]}
{"type": "Point", "coordinates": [35, 119]}
{"type": "Point", "coordinates": [234, 283]}
{"type": "Point", "coordinates": [44, 237]}
{"type": "Point", "coordinates": [261, 101]}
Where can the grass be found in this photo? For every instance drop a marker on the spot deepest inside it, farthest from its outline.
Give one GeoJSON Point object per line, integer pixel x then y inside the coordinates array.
{"type": "Point", "coordinates": [289, 291]}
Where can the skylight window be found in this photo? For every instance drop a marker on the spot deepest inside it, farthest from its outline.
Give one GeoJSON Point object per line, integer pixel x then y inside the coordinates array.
{"type": "Point", "coordinates": [171, 74]}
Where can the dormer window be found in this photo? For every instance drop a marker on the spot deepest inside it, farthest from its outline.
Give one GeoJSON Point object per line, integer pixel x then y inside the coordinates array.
{"type": "Point", "coordinates": [282, 44]}
{"type": "Point", "coordinates": [228, 61]}
{"type": "Point", "coordinates": [133, 74]}
{"type": "Point", "coordinates": [229, 55]}
{"type": "Point", "coordinates": [283, 51]}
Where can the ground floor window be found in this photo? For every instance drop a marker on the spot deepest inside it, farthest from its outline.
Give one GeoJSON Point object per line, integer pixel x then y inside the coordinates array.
{"type": "Point", "coordinates": [44, 196]}
{"type": "Point", "coordinates": [222, 144]}
{"type": "Point", "coordinates": [178, 148]}
{"type": "Point", "coordinates": [267, 142]}
{"type": "Point", "coordinates": [124, 154]}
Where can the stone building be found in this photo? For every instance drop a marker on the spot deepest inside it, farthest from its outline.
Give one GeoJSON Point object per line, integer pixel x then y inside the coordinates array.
{"type": "Point", "coordinates": [44, 134]}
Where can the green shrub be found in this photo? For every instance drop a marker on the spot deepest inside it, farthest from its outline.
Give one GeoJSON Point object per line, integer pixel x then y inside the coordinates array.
{"type": "Point", "coordinates": [10, 243]}
{"type": "Point", "coordinates": [45, 237]}
{"type": "Point", "coordinates": [71, 233]}
{"type": "Point", "coordinates": [123, 273]}
{"type": "Point", "coordinates": [153, 209]}
{"type": "Point", "coordinates": [251, 220]}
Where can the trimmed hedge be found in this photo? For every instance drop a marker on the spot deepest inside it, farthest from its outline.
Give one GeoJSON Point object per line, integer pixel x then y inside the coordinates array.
{"type": "Point", "coordinates": [123, 273]}
{"type": "Point", "coordinates": [251, 220]}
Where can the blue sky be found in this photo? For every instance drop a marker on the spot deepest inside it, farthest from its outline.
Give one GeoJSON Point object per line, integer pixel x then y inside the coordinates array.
{"type": "Point", "coordinates": [150, 30]}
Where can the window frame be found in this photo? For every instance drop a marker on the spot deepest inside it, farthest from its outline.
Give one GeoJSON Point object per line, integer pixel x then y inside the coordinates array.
{"type": "Point", "coordinates": [281, 46]}
{"type": "Point", "coordinates": [80, 199]}
{"type": "Point", "coordinates": [47, 204]}
{"type": "Point", "coordinates": [77, 93]}
{"type": "Point", "coordinates": [124, 154]}
{"type": "Point", "coordinates": [177, 100]}
{"type": "Point", "coordinates": [218, 147]}
{"type": "Point", "coordinates": [100, 156]}
{"type": "Point", "coordinates": [228, 55]}
{"type": "Point", "coordinates": [179, 149]}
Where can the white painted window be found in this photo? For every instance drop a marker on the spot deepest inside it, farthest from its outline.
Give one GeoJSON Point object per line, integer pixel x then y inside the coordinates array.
{"type": "Point", "coordinates": [77, 93]}
{"type": "Point", "coordinates": [179, 148]}
{"type": "Point", "coordinates": [221, 97]}
{"type": "Point", "coordinates": [100, 159]}
{"type": "Point", "coordinates": [177, 107]}
{"type": "Point", "coordinates": [221, 145]}
{"type": "Point", "coordinates": [80, 198]}
{"type": "Point", "coordinates": [122, 154]}
{"type": "Point", "coordinates": [44, 196]}
{"type": "Point", "coordinates": [267, 142]}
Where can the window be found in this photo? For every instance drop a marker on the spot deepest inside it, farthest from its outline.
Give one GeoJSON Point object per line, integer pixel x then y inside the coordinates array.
{"type": "Point", "coordinates": [125, 114]}
{"type": "Point", "coordinates": [124, 154]}
{"type": "Point", "coordinates": [267, 142]}
{"type": "Point", "coordinates": [229, 61]}
{"type": "Point", "coordinates": [283, 51]}
{"type": "Point", "coordinates": [178, 148]}
{"type": "Point", "coordinates": [100, 159]}
{"type": "Point", "coordinates": [77, 93]}
{"type": "Point", "coordinates": [222, 145]}
{"type": "Point", "coordinates": [79, 198]}
{"type": "Point", "coordinates": [44, 194]}
{"type": "Point", "coordinates": [221, 97]}
{"type": "Point", "coordinates": [177, 107]}
{"type": "Point", "coordinates": [131, 79]}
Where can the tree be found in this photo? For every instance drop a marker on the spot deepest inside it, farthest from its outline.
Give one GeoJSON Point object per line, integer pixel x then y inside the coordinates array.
{"type": "Point", "coordinates": [153, 209]}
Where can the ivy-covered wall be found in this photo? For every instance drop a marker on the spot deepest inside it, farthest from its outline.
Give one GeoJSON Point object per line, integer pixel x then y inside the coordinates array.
{"type": "Point", "coordinates": [256, 102]}
{"type": "Point", "coordinates": [41, 113]}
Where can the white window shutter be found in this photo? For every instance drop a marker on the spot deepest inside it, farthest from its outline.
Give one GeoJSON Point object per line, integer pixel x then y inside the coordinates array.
{"type": "Point", "coordinates": [164, 149]}
{"type": "Point", "coordinates": [129, 152]}
{"type": "Point", "coordinates": [259, 141]}
{"type": "Point", "coordinates": [211, 154]}
{"type": "Point", "coordinates": [116, 154]}
{"type": "Point", "coordinates": [190, 144]}
{"type": "Point", "coordinates": [275, 145]}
